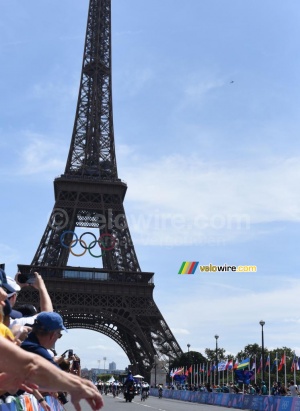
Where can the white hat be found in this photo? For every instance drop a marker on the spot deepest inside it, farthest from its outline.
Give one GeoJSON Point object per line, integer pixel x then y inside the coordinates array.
{"type": "Point", "coordinates": [13, 284]}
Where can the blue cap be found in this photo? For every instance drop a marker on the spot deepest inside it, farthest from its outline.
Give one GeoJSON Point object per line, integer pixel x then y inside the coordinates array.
{"type": "Point", "coordinates": [4, 284]}
{"type": "Point", "coordinates": [49, 321]}
{"type": "Point", "coordinates": [15, 314]}
{"type": "Point", "coordinates": [8, 311]}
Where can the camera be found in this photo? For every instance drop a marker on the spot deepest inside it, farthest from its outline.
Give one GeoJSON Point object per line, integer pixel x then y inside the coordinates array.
{"type": "Point", "coordinates": [26, 278]}
{"type": "Point", "coordinates": [62, 398]}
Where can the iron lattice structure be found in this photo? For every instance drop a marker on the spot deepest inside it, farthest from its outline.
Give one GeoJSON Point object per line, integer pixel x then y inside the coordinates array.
{"type": "Point", "coordinates": [116, 299]}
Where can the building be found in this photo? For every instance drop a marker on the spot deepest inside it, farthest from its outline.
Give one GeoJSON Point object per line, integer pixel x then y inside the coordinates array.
{"type": "Point", "coordinates": [112, 366]}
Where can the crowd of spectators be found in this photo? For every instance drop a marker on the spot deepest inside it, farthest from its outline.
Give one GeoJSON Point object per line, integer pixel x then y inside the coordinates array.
{"type": "Point", "coordinates": [278, 388]}
{"type": "Point", "coordinates": [28, 362]}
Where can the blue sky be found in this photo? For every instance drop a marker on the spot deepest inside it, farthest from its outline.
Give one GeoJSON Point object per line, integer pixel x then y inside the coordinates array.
{"type": "Point", "coordinates": [212, 166]}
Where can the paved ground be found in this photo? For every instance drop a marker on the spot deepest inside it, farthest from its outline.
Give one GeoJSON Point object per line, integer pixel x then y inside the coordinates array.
{"type": "Point", "coordinates": [151, 404]}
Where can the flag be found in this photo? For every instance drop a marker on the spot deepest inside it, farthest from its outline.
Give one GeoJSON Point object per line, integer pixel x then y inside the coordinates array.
{"type": "Point", "coordinates": [267, 363]}
{"type": "Point", "coordinates": [171, 373]}
{"type": "Point", "coordinates": [253, 365]}
{"type": "Point", "coordinates": [295, 364]}
{"type": "Point", "coordinates": [244, 364]}
{"type": "Point", "coordinates": [229, 365]}
{"type": "Point", "coordinates": [222, 366]}
{"type": "Point", "coordinates": [178, 371]}
{"type": "Point", "coordinates": [243, 376]}
{"type": "Point", "coordinates": [260, 365]}
{"type": "Point", "coordinates": [235, 364]}
{"type": "Point", "coordinates": [274, 365]}
{"type": "Point", "coordinates": [282, 362]}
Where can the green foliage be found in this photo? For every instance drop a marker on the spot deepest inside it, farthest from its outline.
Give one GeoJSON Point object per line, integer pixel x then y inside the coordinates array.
{"type": "Point", "coordinates": [250, 350]}
{"type": "Point", "coordinates": [186, 359]}
{"type": "Point", "coordinates": [211, 354]}
{"type": "Point", "coordinates": [104, 377]}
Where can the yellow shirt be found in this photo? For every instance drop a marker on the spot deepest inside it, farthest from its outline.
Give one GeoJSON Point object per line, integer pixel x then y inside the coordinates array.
{"type": "Point", "coordinates": [5, 332]}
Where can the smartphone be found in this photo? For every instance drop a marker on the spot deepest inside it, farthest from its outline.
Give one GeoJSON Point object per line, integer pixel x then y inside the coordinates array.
{"type": "Point", "coordinates": [70, 354]}
{"type": "Point", "coordinates": [26, 278]}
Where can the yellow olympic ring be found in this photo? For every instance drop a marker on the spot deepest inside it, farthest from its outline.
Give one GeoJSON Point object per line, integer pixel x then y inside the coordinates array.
{"type": "Point", "coordinates": [80, 241]}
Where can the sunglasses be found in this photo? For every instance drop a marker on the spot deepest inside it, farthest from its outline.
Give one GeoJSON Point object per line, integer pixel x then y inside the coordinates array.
{"type": "Point", "coordinates": [59, 334]}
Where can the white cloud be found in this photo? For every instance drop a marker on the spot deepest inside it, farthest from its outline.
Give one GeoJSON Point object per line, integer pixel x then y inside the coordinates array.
{"type": "Point", "coordinates": [235, 316]}
{"type": "Point", "coordinates": [172, 199]}
{"type": "Point", "coordinates": [40, 157]}
{"type": "Point", "coordinates": [180, 331]}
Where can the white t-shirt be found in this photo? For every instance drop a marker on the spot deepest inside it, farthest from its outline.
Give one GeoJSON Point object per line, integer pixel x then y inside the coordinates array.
{"type": "Point", "coordinates": [293, 390]}
{"type": "Point", "coordinates": [22, 321]}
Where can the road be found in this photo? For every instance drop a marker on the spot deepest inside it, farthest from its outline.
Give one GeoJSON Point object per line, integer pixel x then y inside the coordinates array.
{"type": "Point", "coordinates": [151, 404]}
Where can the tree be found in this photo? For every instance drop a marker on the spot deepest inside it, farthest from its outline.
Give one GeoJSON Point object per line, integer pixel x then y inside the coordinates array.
{"type": "Point", "coordinates": [211, 354]}
{"type": "Point", "coordinates": [187, 359]}
{"type": "Point", "coordinates": [250, 350]}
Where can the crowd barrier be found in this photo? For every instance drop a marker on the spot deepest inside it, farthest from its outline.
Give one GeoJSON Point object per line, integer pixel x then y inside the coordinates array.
{"type": "Point", "coordinates": [28, 402]}
{"type": "Point", "coordinates": [240, 401]}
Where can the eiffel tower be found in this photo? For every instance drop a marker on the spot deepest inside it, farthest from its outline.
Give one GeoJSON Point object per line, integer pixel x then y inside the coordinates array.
{"type": "Point", "coordinates": [117, 298]}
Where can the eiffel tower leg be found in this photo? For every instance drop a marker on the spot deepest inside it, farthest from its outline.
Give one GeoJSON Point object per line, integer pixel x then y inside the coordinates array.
{"type": "Point", "coordinates": [117, 298]}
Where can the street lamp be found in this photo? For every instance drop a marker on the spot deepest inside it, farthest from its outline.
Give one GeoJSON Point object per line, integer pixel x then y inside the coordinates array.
{"type": "Point", "coordinates": [262, 323]}
{"type": "Point", "coordinates": [217, 380]}
{"type": "Point", "coordinates": [188, 346]}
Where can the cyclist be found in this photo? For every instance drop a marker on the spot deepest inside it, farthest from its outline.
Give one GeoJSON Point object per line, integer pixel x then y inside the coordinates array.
{"type": "Point", "coordinates": [160, 391]}
{"type": "Point", "coordinates": [144, 390]}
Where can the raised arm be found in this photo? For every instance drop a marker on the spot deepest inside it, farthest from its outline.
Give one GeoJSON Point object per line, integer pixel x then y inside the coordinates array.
{"type": "Point", "coordinates": [45, 300]}
{"type": "Point", "coordinates": [30, 370]}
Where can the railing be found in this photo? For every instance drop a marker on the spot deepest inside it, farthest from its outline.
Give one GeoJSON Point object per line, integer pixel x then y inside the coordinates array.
{"type": "Point", "coordinates": [240, 401]}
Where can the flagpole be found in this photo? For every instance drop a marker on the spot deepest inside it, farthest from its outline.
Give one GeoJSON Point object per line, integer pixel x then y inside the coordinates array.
{"type": "Point", "coordinates": [214, 373]}
{"type": "Point", "coordinates": [284, 369]}
{"type": "Point", "coordinates": [294, 364]}
{"type": "Point", "coordinates": [255, 369]}
{"type": "Point", "coordinates": [227, 372]}
{"type": "Point", "coordinates": [276, 367]}
{"type": "Point", "coordinates": [269, 373]}
{"type": "Point", "coordinates": [208, 375]}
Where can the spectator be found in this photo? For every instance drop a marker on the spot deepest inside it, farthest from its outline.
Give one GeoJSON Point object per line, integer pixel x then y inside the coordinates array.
{"type": "Point", "coordinates": [16, 324]}
{"type": "Point", "coordinates": [46, 330]}
{"type": "Point", "coordinates": [282, 390]}
{"type": "Point", "coordinates": [274, 390]}
{"type": "Point", "coordinates": [293, 389]}
{"type": "Point", "coordinates": [29, 370]}
{"type": "Point", "coordinates": [263, 390]}
{"type": "Point", "coordinates": [4, 313]}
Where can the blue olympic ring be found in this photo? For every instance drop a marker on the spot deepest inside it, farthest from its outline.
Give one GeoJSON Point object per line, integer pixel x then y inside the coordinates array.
{"type": "Point", "coordinates": [100, 242]}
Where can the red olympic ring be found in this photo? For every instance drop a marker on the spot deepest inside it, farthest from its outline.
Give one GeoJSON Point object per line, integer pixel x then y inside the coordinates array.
{"type": "Point", "coordinates": [113, 242]}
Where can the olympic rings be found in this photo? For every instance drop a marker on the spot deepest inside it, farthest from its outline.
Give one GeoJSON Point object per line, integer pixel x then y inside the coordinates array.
{"type": "Point", "coordinates": [84, 251]}
{"type": "Point", "coordinates": [102, 240]}
{"type": "Point", "coordinates": [113, 240]}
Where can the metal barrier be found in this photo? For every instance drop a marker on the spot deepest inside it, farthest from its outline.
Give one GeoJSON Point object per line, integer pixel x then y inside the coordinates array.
{"type": "Point", "coordinates": [28, 402]}
{"type": "Point", "coordinates": [240, 401]}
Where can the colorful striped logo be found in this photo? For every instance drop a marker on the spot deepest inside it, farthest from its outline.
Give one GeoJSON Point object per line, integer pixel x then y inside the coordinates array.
{"type": "Point", "coordinates": [188, 267]}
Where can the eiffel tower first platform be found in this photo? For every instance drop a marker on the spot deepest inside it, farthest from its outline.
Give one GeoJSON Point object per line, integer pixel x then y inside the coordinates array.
{"type": "Point", "coordinates": [116, 299]}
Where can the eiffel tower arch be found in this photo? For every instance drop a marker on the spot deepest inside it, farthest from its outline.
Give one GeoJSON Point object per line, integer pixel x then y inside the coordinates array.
{"type": "Point", "coordinates": [115, 299]}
